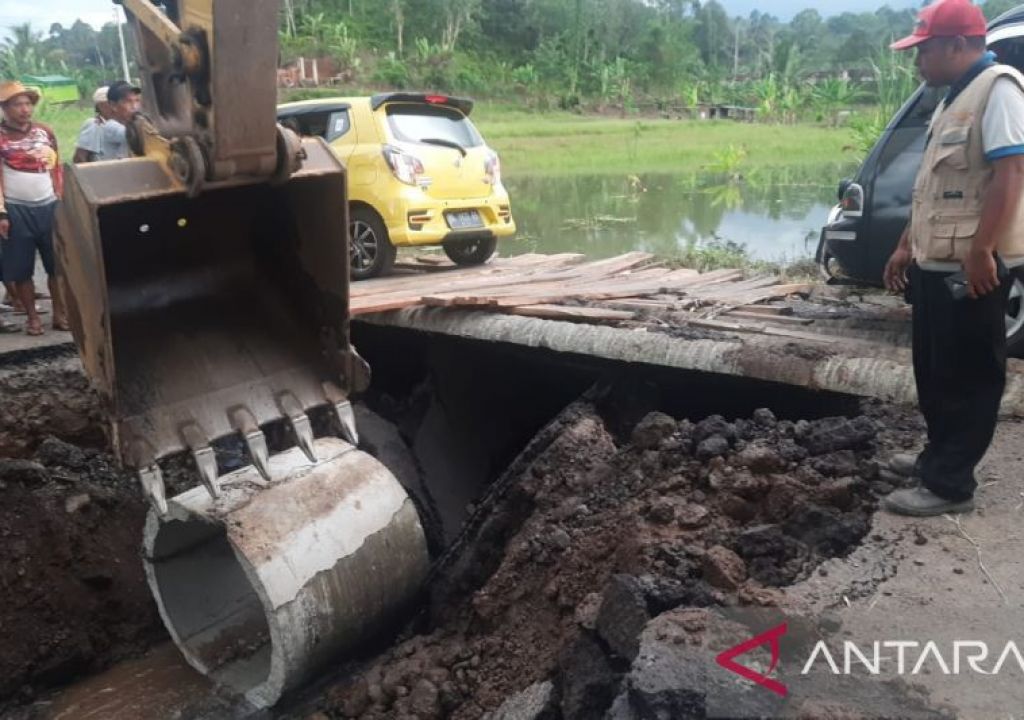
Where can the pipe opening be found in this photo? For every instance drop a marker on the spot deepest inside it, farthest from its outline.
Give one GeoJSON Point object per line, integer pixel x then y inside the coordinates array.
{"type": "Point", "coordinates": [209, 605]}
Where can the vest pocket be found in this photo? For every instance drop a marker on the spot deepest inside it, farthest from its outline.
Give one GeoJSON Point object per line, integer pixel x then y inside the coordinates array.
{"type": "Point", "coordinates": [952, 155]}
{"type": "Point", "coordinates": [964, 236]}
{"type": "Point", "coordinates": [940, 241]}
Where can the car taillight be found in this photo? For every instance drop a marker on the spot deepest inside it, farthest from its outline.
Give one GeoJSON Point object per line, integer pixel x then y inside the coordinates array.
{"type": "Point", "coordinates": [852, 200]}
{"type": "Point", "coordinates": [492, 169]}
{"type": "Point", "coordinates": [405, 167]}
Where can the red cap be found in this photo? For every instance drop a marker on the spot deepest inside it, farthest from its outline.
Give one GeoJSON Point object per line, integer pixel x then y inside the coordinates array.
{"type": "Point", "coordinates": [945, 18]}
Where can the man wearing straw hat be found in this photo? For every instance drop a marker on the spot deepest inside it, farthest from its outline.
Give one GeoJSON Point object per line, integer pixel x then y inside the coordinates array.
{"type": "Point", "coordinates": [31, 182]}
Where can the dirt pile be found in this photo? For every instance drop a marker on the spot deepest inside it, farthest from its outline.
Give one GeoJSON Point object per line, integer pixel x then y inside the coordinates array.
{"type": "Point", "coordinates": [600, 539]}
{"type": "Point", "coordinates": [73, 596]}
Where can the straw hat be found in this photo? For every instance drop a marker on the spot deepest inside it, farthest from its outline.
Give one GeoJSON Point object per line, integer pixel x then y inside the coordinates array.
{"type": "Point", "coordinates": [100, 96]}
{"type": "Point", "coordinates": [12, 88]}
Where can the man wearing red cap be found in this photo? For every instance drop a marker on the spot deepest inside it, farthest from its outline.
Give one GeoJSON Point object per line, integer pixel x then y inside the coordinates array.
{"type": "Point", "coordinates": [966, 217]}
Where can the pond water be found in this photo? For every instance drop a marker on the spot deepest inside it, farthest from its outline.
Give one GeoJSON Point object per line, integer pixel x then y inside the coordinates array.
{"type": "Point", "coordinates": [775, 215]}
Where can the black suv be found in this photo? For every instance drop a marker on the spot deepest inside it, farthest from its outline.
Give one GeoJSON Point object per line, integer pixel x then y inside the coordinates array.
{"type": "Point", "coordinates": [863, 229]}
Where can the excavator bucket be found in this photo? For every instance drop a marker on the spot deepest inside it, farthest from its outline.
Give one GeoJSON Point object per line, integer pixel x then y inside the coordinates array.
{"type": "Point", "coordinates": [200, 317]}
{"type": "Point", "coordinates": [204, 317]}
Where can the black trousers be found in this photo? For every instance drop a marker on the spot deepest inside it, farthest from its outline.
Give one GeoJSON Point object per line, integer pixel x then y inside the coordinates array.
{"type": "Point", "coordinates": [960, 369]}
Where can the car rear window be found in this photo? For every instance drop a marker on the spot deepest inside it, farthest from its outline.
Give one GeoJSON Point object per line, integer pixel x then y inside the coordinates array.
{"type": "Point", "coordinates": [416, 123]}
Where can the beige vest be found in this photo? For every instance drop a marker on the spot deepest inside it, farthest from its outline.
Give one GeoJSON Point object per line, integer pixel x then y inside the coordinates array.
{"type": "Point", "coordinates": [950, 188]}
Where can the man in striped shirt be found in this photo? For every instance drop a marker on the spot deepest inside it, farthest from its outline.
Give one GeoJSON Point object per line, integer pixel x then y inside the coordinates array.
{"type": "Point", "coordinates": [31, 182]}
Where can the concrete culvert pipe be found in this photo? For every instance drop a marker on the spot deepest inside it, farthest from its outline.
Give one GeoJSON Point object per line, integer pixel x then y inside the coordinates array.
{"type": "Point", "coordinates": [265, 585]}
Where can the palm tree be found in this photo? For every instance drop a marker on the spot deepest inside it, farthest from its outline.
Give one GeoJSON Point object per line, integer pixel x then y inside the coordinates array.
{"type": "Point", "coordinates": [22, 52]}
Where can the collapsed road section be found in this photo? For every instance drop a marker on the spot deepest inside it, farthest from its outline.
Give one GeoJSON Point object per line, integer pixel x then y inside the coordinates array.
{"type": "Point", "coordinates": [556, 534]}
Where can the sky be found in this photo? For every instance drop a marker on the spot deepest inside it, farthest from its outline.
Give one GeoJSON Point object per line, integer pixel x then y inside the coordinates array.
{"type": "Point", "coordinates": [43, 13]}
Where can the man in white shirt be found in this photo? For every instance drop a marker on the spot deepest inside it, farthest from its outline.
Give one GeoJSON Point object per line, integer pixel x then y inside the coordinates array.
{"type": "Point", "coordinates": [102, 136]}
{"type": "Point", "coordinates": [967, 216]}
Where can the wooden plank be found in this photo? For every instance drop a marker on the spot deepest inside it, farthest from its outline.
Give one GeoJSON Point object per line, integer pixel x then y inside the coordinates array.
{"type": "Point", "coordinates": [797, 335]}
{"type": "Point", "coordinates": [761, 317]}
{"type": "Point", "coordinates": [564, 312]}
{"type": "Point", "coordinates": [766, 309]}
{"type": "Point", "coordinates": [429, 281]}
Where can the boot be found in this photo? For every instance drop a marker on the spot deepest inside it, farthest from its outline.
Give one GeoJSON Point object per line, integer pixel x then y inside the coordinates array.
{"type": "Point", "coordinates": [904, 464]}
{"type": "Point", "coordinates": [921, 502]}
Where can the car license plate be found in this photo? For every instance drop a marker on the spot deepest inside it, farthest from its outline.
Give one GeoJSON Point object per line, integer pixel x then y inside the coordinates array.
{"type": "Point", "coordinates": [464, 219]}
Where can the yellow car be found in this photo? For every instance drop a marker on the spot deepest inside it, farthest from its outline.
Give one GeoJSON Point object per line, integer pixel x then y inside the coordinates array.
{"type": "Point", "coordinates": [418, 174]}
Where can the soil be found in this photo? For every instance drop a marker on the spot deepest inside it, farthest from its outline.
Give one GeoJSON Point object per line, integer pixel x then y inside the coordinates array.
{"type": "Point", "coordinates": [75, 598]}
{"type": "Point", "coordinates": [600, 535]}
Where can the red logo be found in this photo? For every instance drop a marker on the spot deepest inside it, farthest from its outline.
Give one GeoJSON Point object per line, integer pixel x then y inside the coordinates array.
{"type": "Point", "coordinates": [726, 659]}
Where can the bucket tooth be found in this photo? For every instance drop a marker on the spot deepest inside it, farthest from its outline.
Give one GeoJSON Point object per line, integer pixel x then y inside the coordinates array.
{"type": "Point", "coordinates": [204, 457]}
{"type": "Point", "coordinates": [343, 411]}
{"type": "Point", "coordinates": [347, 420]}
{"type": "Point", "coordinates": [255, 440]}
{"type": "Point", "coordinates": [152, 481]}
{"type": "Point", "coordinates": [299, 421]}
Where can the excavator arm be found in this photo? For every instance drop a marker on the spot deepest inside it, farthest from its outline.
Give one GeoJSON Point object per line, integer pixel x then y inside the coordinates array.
{"type": "Point", "coordinates": [208, 274]}
{"type": "Point", "coordinates": [208, 283]}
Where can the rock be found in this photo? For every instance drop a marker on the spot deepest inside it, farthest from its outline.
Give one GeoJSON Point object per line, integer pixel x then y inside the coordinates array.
{"type": "Point", "coordinates": [662, 512]}
{"type": "Point", "coordinates": [537, 702]}
{"type": "Point", "coordinates": [354, 700]}
{"type": "Point", "coordinates": [713, 446]}
{"type": "Point", "coordinates": [53, 452]}
{"type": "Point", "coordinates": [881, 488]}
{"type": "Point", "coordinates": [791, 452]}
{"type": "Point", "coordinates": [760, 459]}
{"type": "Point", "coordinates": [691, 516]}
{"type": "Point", "coordinates": [832, 434]}
{"type": "Point", "coordinates": [764, 417]}
{"type": "Point", "coordinates": [839, 493]}
{"type": "Point", "coordinates": [76, 502]}
{"type": "Point", "coordinates": [840, 464]}
{"type": "Point", "coordinates": [623, 615]}
{"type": "Point", "coordinates": [737, 508]}
{"type": "Point", "coordinates": [723, 568]}
{"type": "Point", "coordinates": [24, 472]}
{"type": "Point", "coordinates": [558, 538]}
{"type": "Point", "coordinates": [589, 684]}
{"type": "Point", "coordinates": [713, 425]}
{"type": "Point", "coordinates": [773, 557]}
{"type": "Point", "coordinates": [674, 675]}
{"type": "Point", "coordinates": [781, 500]}
{"type": "Point", "coordinates": [424, 700]}
{"type": "Point", "coordinates": [586, 611]}
{"type": "Point", "coordinates": [827, 531]}
{"type": "Point", "coordinates": [749, 487]}
{"type": "Point", "coordinates": [652, 429]}
{"type": "Point", "coordinates": [753, 594]}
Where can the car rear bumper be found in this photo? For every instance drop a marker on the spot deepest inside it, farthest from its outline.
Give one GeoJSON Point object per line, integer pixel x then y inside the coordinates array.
{"type": "Point", "coordinates": [418, 220]}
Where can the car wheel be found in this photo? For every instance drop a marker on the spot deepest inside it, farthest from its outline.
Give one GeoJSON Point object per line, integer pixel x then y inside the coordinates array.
{"type": "Point", "coordinates": [370, 250]}
{"type": "Point", "coordinates": [1015, 318]}
{"type": "Point", "coordinates": [470, 251]}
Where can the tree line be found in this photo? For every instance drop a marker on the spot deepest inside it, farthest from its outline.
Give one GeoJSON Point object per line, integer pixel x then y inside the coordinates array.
{"type": "Point", "coordinates": [562, 53]}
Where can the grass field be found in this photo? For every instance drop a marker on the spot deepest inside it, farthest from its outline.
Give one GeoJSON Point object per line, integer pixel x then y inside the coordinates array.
{"type": "Point", "coordinates": [564, 143]}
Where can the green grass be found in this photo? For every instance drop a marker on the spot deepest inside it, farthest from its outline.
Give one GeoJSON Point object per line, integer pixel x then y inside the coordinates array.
{"type": "Point", "coordinates": [563, 143]}
{"type": "Point", "coordinates": [559, 143]}
{"type": "Point", "coordinates": [66, 121]}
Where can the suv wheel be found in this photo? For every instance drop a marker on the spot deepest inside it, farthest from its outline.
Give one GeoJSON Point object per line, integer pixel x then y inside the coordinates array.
{"type": "Point", "coordinates": [370, 250]}
{"type": "Point", "coordinates": [470, 251]}
{"type": "Point", "coordinates": [1015, 317]}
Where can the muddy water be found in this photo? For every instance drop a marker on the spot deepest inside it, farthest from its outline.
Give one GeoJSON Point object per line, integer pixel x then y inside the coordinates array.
{"type": "Point", "coordinates": [775, 215]}
{"type": "Point", "coordinates": [159, 684]}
